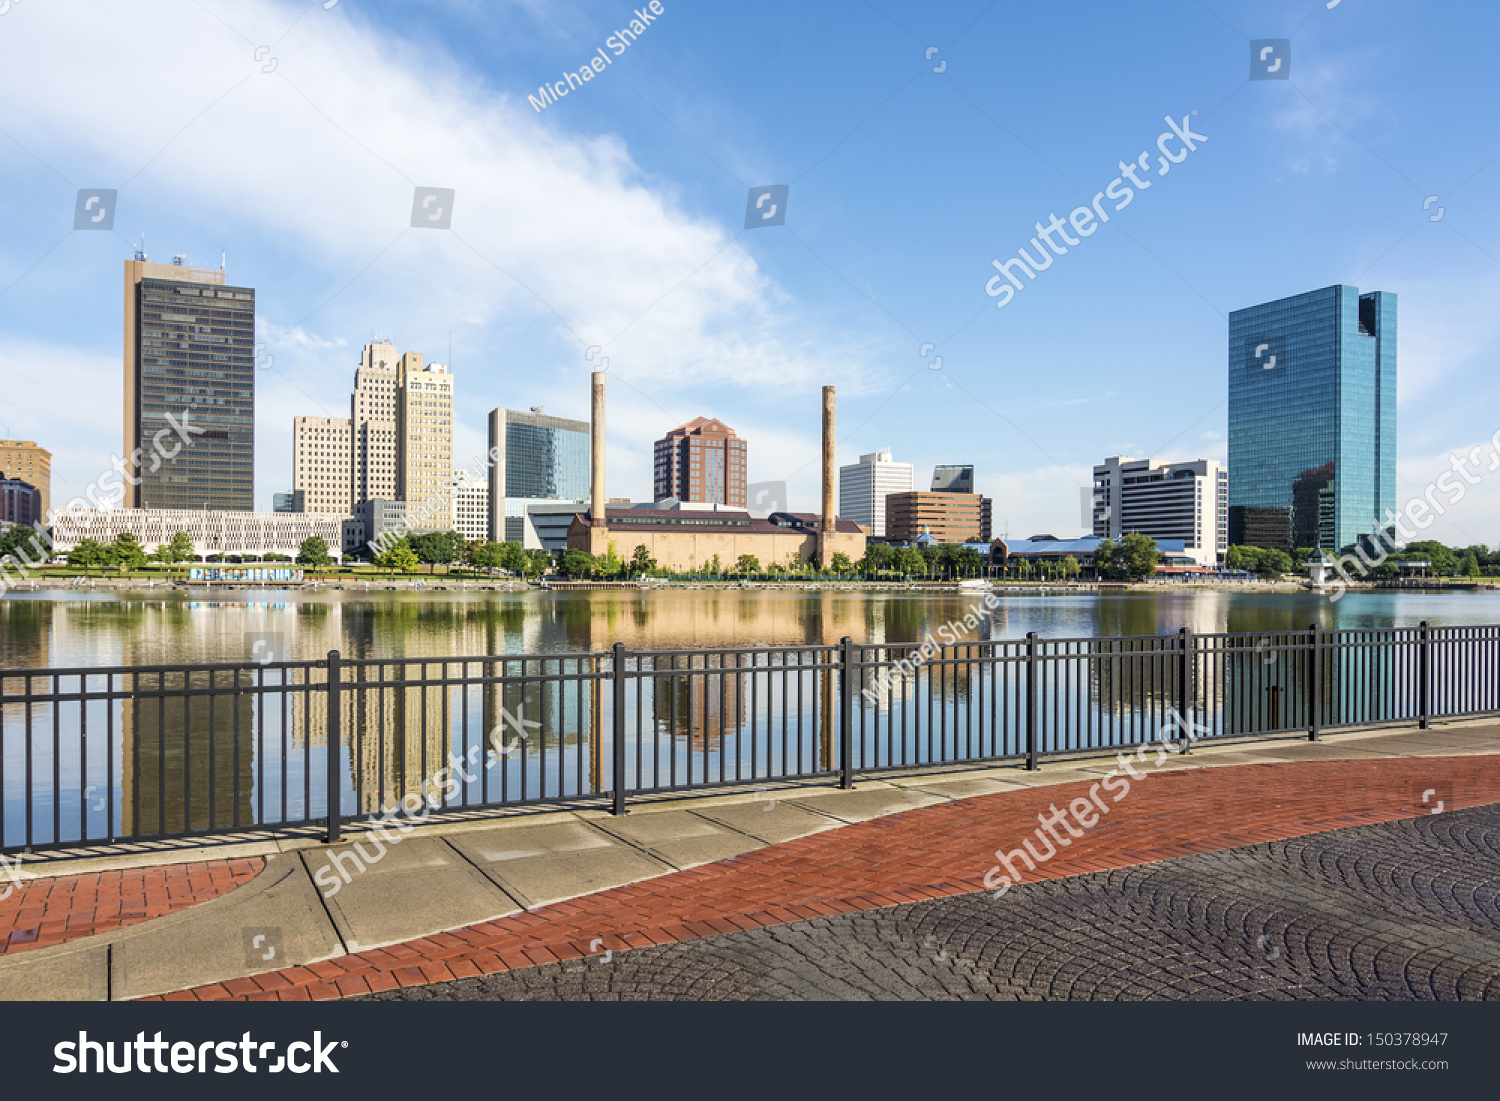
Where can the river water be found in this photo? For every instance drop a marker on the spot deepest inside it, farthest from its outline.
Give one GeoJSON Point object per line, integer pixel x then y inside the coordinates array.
{"type": "Point", "coordinates": [105, 756]}
{"type": "Point", "coordinates": [68, 629]}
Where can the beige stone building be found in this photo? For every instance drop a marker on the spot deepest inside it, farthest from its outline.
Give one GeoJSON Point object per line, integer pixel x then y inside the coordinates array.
{"type": "Point", "coordinates": [424, 442]}
{"type": "Point", "coordinates": [321, 455]}
{"type": "Point", "coordinates": [23, 459]}
{"type": "Point", "coordinates": [688, 539]}
{"type": "Point", "coordinates": [372, 419]}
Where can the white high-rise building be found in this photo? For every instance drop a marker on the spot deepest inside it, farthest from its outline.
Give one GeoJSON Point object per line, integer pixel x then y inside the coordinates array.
{"type": "Point", "coordinates": [1187, 501]}
{"type": "Point", "coordinates": [320, 465]}
{"type": "Point", "coordinates": [864, 486]}
{"type": "Point", "coordinates": [471, 506]}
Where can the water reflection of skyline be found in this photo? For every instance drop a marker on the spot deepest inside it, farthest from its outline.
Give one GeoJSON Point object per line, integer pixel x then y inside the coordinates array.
{"type": "Point", "coordinates": [258, 758]}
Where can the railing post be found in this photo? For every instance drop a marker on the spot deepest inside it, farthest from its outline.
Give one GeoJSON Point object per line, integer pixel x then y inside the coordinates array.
{"type": "Point", "coordinates": [1315, 684]}
{"type": "Point", "coordinates": [1425, 635]}
{"type": "Point", "coordinates": [846, 713]}
{"type": "Point", "coordinates": [335, 737]}
{"type": "Point", "coordinates": [619, 728]}
{"type": "Point", "coordinates": [1185, 685]}
{"type": "Point", "coordinates": [1031, 700]}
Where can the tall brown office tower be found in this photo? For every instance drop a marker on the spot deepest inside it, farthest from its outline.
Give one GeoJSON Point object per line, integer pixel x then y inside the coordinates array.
{"type": "Point", "coordinates": [189, 388]}
{"type": "Point", "coordinates": [702, 460]}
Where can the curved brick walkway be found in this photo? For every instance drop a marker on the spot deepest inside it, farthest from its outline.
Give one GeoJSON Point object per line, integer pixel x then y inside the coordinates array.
{"type": "Point", "coordinates": [57, 909]}
{"type": "Point", "coordinates": [935, 852]}
{"type": "Point", "coordinates": [1406, 910]}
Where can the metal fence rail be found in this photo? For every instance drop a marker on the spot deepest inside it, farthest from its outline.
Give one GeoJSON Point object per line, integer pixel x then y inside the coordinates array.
{"type": "Point", "coordinates": [96, 756]}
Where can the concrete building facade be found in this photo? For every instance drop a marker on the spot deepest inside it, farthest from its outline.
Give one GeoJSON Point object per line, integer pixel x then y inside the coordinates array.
{"type": "Point", "coordinates": [189, 373]}
{"type": "Point", "coordinates": [212, 531]}
{"type": "Point", "coordinates": [865, 485]}
{"type": "Point", "coordinates": [471, 506]}
{"type": "Point", "coordinates": [1187, 501]}
{"type": "Point", "coordinates": [322, 451]}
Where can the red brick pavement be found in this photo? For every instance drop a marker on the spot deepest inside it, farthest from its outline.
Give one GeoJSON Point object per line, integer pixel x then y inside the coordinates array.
{"type": "Point", "coordinates": [63, 908]}
{"type": "Point", "coordinates": [933, 852]}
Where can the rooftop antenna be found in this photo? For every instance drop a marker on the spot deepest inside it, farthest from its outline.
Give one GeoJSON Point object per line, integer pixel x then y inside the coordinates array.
{"type": "Point", "coordinates": [223, 255]}
{"type": "Point", "coordinates": [140, 249]}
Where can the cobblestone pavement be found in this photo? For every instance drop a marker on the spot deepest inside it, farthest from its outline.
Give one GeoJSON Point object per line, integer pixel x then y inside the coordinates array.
{"type": "Point", "coordinates": [1402, 910]}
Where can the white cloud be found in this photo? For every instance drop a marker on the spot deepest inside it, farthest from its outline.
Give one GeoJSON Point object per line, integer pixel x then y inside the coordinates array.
{"type": "Point", "coordinates": [310, 169]}
{"type": "Point", "coordinates": [1469, 511]}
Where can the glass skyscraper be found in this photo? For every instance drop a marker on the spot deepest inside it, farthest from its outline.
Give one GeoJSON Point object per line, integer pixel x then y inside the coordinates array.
{"type": "Point", "coordinates": [535, 456]}
{"type": "Point", "coordinates": [1312, 419]}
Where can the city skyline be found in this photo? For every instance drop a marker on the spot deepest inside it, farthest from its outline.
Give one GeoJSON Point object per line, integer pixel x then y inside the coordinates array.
{"type": "Point", "coordinates": [691, 311]}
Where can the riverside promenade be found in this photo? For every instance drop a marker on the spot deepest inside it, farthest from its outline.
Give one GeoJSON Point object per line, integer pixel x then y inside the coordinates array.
{"type": "Point", "coordinates": [456, 905]}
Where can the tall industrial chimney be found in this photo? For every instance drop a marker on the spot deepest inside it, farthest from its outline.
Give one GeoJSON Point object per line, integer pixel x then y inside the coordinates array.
{"type": "Point", "coordinates": [826, 529]}
{"type": "Point", "coordinates": [596, 454]}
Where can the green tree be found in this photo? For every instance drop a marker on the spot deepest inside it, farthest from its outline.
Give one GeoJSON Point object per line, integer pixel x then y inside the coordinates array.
{"type": "Point", "coordinates": [1138, 555]}
{"type": "Point", "coordinates": [540, 562]}
{"type": "Point", "coordinates": [182, 548]}
{"type": "Point", "coordinates": [714, 565]}
{"type": "Point", "coordinates": [841, 563]}
{"type": "Point", "coordinates": [486, 556]}
{"type": "Point", "coordinates": [128, 552]}
{"type": "Point", "coordinates": [641, 560]}
{"type": "Point", "coordinates": [314, 552]}
{"type": "Point", "coordinates": [513, 557]}
{"type": "Point", "coordinates": [1275, 563]}
{"type": "Point", "coordinates": [910, 562]}
{"type": "Point", "coordinates": [611, 565]}
{"type": "Point", "coordinates": [1444, 561]}
{"type": "Point", "coordinates": [579, 563]}
{"type": "Point", "coordinates": [437, 548]}
{"type": "Point", "coordinates": [878, 557]}
{"type": "Point", "coordinates": [747, 563]}
{"type": "Point", "coordinates": [1468, 565]}
{"type": "Point", "coordinates": [398, 556]}
{"type": "Point", "coordinates": [1070, 567]}
{"type": "Point", "coordinates": [88, 553]}
{"type": "Point", "coordinates": [26, 545]}
{"type": "Point", "coordinates": [1106, 560]}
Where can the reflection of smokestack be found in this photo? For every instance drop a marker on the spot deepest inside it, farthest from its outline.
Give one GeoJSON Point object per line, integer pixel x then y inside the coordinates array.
{"type": "Point", "coordinates": [825, 533]}
{"type": "Point", "coordinates": [596, 449]}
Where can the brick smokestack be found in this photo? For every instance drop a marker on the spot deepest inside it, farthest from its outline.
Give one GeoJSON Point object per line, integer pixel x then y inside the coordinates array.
{"type": "Point", "coordinates": [596, 454]}
{"type": "Point", "coordinates": [826, 529]}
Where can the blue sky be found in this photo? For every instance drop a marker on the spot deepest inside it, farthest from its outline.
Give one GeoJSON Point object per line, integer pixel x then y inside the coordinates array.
{"type": "Point", "coordinates": [615, 217]}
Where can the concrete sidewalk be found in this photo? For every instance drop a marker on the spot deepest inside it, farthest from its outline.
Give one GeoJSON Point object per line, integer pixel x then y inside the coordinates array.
{"type": "Point", "coordinates": [313, 902]}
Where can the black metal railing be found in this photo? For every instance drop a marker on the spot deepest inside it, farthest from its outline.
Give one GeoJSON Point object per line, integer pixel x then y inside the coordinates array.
{"type": "Point", "coordinates": [97, 756]}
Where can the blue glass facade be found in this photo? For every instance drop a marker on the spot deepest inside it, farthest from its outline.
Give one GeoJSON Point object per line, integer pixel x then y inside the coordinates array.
{"type": "Point", "coordinates": [545, 460]}
{"type": "Point", "coordinates": [1312, 419]}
